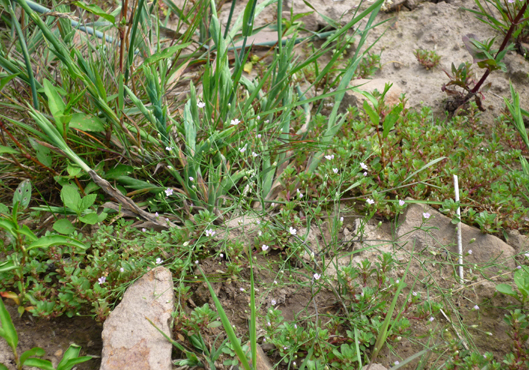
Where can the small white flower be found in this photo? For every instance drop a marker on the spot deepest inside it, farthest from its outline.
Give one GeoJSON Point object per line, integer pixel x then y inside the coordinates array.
{"type": "Point", "coordinates": [196, 262]}
{"type": "Point", "coordinates": [401, 202]}
{"type": "Point", "coordinates": [191, 178]}
{"type": "Point", "coordinates": [396, 363]}
{"type": "Point", "coordinates": [101, 280]}
{"type": "Point", "coordinates": [121, 269]}
{"type": "Point", "coordinates": [273, 302]}
{"type": "Point", "coordinates": [258, 136]}
{"type": "Point", "coordinates": [268, 323]}
{"type": "Point", "coordinates": [518, 267]}
{"type": "Point", "coordinates": [363, 165]}
{"type": "Point", "coordinates": [258, 117]}
{"type": "Point", "coordinates": [159, 261]}
{"type": "Point", "coordinates": [265, 247]}
{"type": "Point", "coordinates": [275, 282]}
{"type": "Point", "coordinates": [335, 170]}
{"type": "Point", "coordinates": [432, 319]}
{"type": "Point", "coordinates": [201, 104]}
{"type": "Point", "coordinates": [317, 276]}
{"type": "Point", "coordinates": [470, 251]}
{"type": "Point", "coordinates": [221, 255]}
{"type": "Point", "coordinates": [168, 148]}
{"type": "Point", "coordinates": [243, 149]}
{"type": "Point", "coordinates": [168, 192]}
{"type": "Point", "coordinates": [254, 154]}
{"type": "Point", "coordinates": [292, 230]}
{"type": "Point", "coordinates": [329, 157]}
{"type": "Point", "coordinates": [272, 205]}
{"type": "Point", "coordinates": [156, 214]}
{"type": "Point", "coordinates": [370, 201]}
{"type": "Point", "coordinates": [210, 232]}
{"type": "Point", "coordinates": [415, 294]}
{"type": "Point", "coordinates": [242, 289]}
{"type": "Point", "coordinates": [143, 229]}
{"type": "Point", "coordinates": [476, 307]}
{"type": "Point", "coordinates": [267, 121]}
{"type": "Point", "coordinates": [235, 122]}
{"type": "Point", "coordinates": [341, 219]}
{"type": "Point", "coordinates": [300, 194]}
{"type": "Point", "coordinates": [295, 326]}
{"type": "Point", "coordinates": [426, 215]}
{"type": "Point", "coordinates": [365, 173]}
{"type": "Point", "coordinates": [526, 255]}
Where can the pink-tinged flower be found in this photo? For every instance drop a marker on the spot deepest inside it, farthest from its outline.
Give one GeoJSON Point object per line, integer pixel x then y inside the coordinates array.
{"type": "Point", "coordinates": [191, 178]}
{"type": "Point", "coordinates": [317, 276]}
{"type": "Point", "coordinates": [159, 261]}
{"type": "Point", "coordinates": [273, 302]}
{"type": "Point", "coordinates": [370, 201]}
{"type": "Point", "coordinates": [254, 154]}
{"type": "Point", "coordinates": [121, 269]}
{"type": "Point", "coordinates": [415, 294]}
{"type": "Point", "coordinates": [156, 214]}
{"type": "Point", "coordinates": [364, 166]}
{"type": "Point", "coordinates": [101, 280]}
{"type": "Point", "coordinates": [143, 229]}
{"type": "Point", "coordinates": [292, 230]}
{"type": "Point", "coordinates": [264, 247]}
{"type": "Point", "coordinates": [168, 192]}
{"type": "Point", "coordinates": [335, 170]}
{"type": "Point", "coordinates": [258, 136]}
{"type": "Point", "coordinates": [210, 232]}
{"type": "Point", "coordinates": [341, 219]}
{"type": "Point", "coordinates": [235, 122]}
{"type": "Point", "coordinates": [365, 173]}
{"type": "Point", "coordinates": [426, 215]}
{"type": "Point", "coordinates": [201, 104]}
{"type": "Point", "coordinates": [401, 202]}
{"type": "Point", "coordinates": [329, 157]}
{"type": "Point", "coordinates": [476, 307]}
{"type": "Point", "coordinates": [431, 319]}
{"type": "Point", "coordinates": [168, 148]}
{"type": "Point", "coordinates": [470, 251]}
{"type": "Point", "coordinates": [221, 255]}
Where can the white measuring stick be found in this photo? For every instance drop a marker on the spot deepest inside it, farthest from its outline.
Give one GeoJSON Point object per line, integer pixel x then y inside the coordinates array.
{"type": "Point", "coordinates": [459, 239]}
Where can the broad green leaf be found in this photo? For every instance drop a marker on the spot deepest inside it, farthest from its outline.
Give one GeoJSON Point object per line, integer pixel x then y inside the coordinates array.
{"type": "Point", "coordinates": [521, 278]}
{"type": "Point", "coordinates": [40, 363]}
{"type": "Point", "coordinates": [375, 118]}
{"type": "Point", "coordinates": [25, 230]}
{"type": "Point", "coordinates": [4, 80]}
{"type": "Point", "coordinates": [22, 195]}
{"type": "Point", "coordinates": [85, 122]}
{"type": "Point", "coordinates": [43, 153]}
{"type": "Point", "coordinates": [166, 53]}
{"type": "Point", "coordinates": [8, 150]}
{"type": "Point", "coordinates": [94, 9]}
{"type": "Point", "coordinates": [391, 118]}
{"type": "Point", "coordinates": [73, 169]}
{"type": "Point", "coordinates": [7, 266]}
{"type": "Point", "coordinates": [90, 219]}
{"type": "Point", "coordinates": [87, 202]}
{"type": "Point", "coordinates": [102, 216]}
{"type": "Point", "coordinates": [35, 351]}
{"type": "Point", "coordinates": [506, 289]}
{"type": "Point", "coordinates": [7, 330]}
{"type": "Point", "coordinates": [63, 226]}
{"type": "Point", "coordinates": [70, 197]}
{"type": "Point", "coordinates": [48, 241]}
{"type": "Point", "coordinates": [4, 210]}
{"type": "Point", "coordinates": [9, 226]}
{"type": "Point", "coordinates": [71, 358]}
{"type": "Point", "coordinates": [119, 170]}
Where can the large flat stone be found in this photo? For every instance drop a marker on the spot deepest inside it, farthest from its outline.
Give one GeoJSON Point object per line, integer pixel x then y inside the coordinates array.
{"type": "Point", "coordinates": [441, 237]}
{"type": "Point", "coordinates": [129, 341]}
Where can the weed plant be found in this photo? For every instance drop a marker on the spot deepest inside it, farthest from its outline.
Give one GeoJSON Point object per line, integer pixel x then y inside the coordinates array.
{"type": "Point", "coordinates": [196, 152]}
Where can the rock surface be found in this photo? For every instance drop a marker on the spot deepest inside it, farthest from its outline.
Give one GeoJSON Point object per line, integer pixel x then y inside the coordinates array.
{"type": "Point", "coordinates": [129, 340]}
{"type": "Point", "coordinates": [441, 238]}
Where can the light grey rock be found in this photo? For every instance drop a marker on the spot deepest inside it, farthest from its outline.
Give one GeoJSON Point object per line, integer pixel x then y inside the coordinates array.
{"type": "Point", "coordinates": [519, 242]}
{"type": "Point", "coordinates": [129, 340]}
{"type": "Point", "coordinates": [442, 233]}
{"type": "Point", "coordinates": [517, 67]}
{"type": "Point", "coordinates": [374, 367]}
